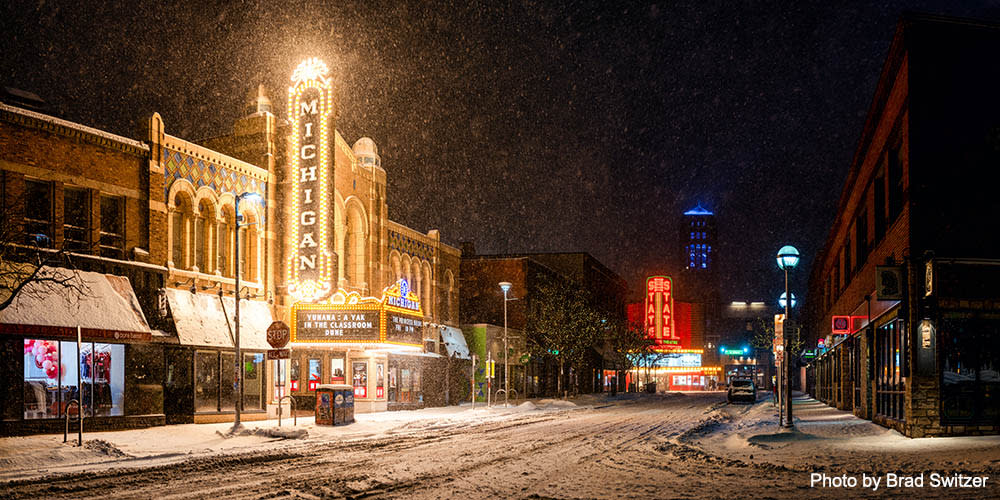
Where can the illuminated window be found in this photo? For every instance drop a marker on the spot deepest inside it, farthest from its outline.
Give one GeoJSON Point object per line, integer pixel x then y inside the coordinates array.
{"type": "Point", "coordinates": [113, 227]}
{"type": "Point", "coordinates": [181, 219]}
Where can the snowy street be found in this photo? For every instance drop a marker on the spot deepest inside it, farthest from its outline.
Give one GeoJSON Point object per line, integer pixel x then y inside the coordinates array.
{"type": "Point", "coordinates": [635, 446]}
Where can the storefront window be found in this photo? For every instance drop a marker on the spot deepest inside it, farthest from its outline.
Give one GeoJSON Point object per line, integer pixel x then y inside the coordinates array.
{"type": "Point", "coordinates": [360, 379]}
{"type": "Point", "coordinates": [253, 381]}
{"type": "Point", "coordinates": [51, 371]}
{"type": "Point", "coordinates": [889, 387]}
{"type": "Point", "coordinates": [970, 370]}
{"type": "Point", "coordinates": [315, 373]}
{"type": "Point", "coordinates": [337, 371]}
{"type": "Point", "coordinates": [227, 386]}
{"type": "Point", "coordinates": [280, 374]}
{"type": "Point", "coordinates": [405, 386]}
{"type": "Point", "coordinates": [380, 380]}
{"type": "Point", "coordinates": [206, 381]}
{"type": "Point", "coordinates": [293, 374]}
{"type": "Point", "coordinates": [393, 392]}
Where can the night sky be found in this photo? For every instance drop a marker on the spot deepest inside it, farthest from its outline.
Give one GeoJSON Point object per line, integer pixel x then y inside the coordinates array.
{"type": "Point", "coordinates": [520, 126]}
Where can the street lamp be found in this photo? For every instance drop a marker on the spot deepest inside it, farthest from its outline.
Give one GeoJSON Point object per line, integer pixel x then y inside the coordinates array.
{"type": "Point", "coordinates": [255, 198]}
{"type": "Point", "coordinates": [505, 286]}
{"type": "Point", "coordinates": [781, 301]}
{"type": "Point", "coordinates": [788, 258]}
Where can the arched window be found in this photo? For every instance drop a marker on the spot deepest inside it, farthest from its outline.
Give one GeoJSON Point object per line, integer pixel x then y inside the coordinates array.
{"type": "Point", "coordinates": [427, 297]}
{"type": "Point", "coordinates": [395, 268]}
{"type": "Point", "coordinates": [417, 284]}
{"type": "Point", "coordinates": [354, 247]}
{"type": "Point", "coordinates": [181, 220]}
{"type": "Point", "coordinates": [448, 298]}
{"type": "Point", "coordinates": [227, 225]}
{"type": "Point", "coordinates": [248, 247]}
{"type": "Point", "coordinates": [203, 236]}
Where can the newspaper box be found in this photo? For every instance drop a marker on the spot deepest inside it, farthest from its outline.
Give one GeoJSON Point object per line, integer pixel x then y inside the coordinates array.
{"type": "Point", "coordinates": [343, 404]}
{"type": "Point", "coordinates": [325, 404]}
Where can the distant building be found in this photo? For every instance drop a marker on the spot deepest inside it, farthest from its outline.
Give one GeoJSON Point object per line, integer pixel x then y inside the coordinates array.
{"type": "Point", "coordinates": [679, 360]}
{"type": "Point", "coordinates": [905, 294]}
{"type": "Point", "coordinates": [482, 312]}
{"type": "Point", "coordinates": [698, 281]}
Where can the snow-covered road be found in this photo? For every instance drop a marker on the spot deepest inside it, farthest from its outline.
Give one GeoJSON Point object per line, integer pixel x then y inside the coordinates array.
{"type": "Point", "coordinates": [664, 446]}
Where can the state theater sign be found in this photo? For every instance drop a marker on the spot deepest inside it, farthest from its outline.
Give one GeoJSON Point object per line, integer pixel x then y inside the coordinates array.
{"type": "Point", "coordinates": [659, 313]}
{"type": "Point", "coordinates": [395, 319]}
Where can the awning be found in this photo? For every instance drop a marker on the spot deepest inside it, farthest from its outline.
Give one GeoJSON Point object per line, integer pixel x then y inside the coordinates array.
{"type": "Point", "coordinates": [103, 305]}
{"type": "Point", "coordinates": [209, 320]}
{"type": "Point", "coordinates": [454, 341]}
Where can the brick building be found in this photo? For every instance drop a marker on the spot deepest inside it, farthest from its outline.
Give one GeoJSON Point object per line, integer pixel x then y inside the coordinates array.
{"type": "Point", "coordinates": [905, 291]}
{"type": "Point", "coordinates": [483, 302]}
{"type": "Point", "coordinates": [154, 224]}
{"type": "Point", "coordinates": [76, 197]}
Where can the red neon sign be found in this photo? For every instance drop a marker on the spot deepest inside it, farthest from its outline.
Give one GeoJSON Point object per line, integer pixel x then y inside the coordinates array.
{"type": "Point", "coordinates": [841, 324]}
{"type": "Point", "coordinates": [295, 385]}
{"type": "Point", "coordinates": [379, 392]}
{"type": "Point", "coordinates": [313, 384]}
{"type": "Point", "coordinates": [660, 312]}
{"type": "Point", "coordinates": [360, 392]}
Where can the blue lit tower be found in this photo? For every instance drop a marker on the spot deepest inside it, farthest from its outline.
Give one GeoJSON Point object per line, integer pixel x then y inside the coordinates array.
{"type": "Point", "coordinates": [698, 240]}
{"type": "Point", "coordinates": [698, 280]}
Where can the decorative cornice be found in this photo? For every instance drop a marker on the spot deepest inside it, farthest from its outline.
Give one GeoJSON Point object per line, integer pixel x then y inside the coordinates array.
{"type": "Point", "coordinates": [33, 119]}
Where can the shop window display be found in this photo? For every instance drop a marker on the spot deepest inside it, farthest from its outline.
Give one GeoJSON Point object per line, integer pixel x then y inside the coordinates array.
{"type": "Point", "coordinates": [51, 371]}
{"type": "Point", "coordinates": [253, 381]}
{"type": "Point", "coordinates": [361, 379]}
{"type": "Point", "coordinates": [206, 386]}
{"type": "Point", "coordinates": [337, 371]}
{"type": "Point", "coordinates": [315, 373]}
{"type": "Point", "coordinates": [227, 385]}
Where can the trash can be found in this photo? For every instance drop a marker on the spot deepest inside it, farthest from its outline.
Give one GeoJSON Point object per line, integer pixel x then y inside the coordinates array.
{"type": "Point", "coordinates": [325, 396]}
{"type": "Point", "coordinates": [343, 404]}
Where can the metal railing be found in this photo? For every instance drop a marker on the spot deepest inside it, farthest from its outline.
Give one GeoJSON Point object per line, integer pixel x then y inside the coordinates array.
{"type": "Point", "coordinates": [291, 401]}
{"type": "Point", "coordinates": [512, 395]}
{"type": "Point", "coordinates": [79, 416]}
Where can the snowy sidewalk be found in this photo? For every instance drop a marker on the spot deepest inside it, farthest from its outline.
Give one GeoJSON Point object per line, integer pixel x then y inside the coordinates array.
{"type": "Point", "coordinates": [825, 438]}
{"type": "Point", "coordinates": [23, 457]}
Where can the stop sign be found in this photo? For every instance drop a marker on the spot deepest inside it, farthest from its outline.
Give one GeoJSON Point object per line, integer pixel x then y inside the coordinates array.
{"type": "Point", "coordinates": [278, 334]}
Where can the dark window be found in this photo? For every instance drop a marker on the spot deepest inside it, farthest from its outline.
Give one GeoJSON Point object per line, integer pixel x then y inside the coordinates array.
{"type": "Point", "coordinates": [895, 183]}
{"type": "Point", "coordinates": [880, 221]}
{"type": "Point", "coordinates": [112, 227]}
{"type": "Point", "coordinates": [76, 219]}
{"type": "Point", "coordinates": [890, 352]}
{"type": "Point", "coordinates": [970, 360]}
{"type": "Point", "coordinates": [847, 263]}
{"type": "Point", "coordinates": [38, 213]}
{"type": "Point", "coordinates": [861, 239]}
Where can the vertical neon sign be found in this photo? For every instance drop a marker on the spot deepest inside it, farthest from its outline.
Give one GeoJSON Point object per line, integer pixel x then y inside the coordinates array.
{"type": "Point", "coordinates": [660, 312]}
{"type": "Point", "coordinates": [310, 108]}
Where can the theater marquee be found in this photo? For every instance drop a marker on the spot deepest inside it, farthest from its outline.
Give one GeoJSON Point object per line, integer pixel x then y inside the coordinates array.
{"type": "Point", "coordinates": [395, 319]}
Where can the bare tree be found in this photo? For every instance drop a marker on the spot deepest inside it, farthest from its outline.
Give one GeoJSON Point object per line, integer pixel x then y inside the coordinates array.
{"type": "Point", "coordinates": [28, 268]}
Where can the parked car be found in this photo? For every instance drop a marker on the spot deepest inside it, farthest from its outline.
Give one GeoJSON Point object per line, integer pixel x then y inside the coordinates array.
{"type": "Point", "coordinates": [742, 389]}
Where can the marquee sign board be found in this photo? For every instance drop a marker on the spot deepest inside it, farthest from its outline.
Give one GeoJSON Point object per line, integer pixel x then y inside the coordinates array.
{"type": "Point", "coordinates": [310, 106]}
{"type": "Point", "coordinates": [332, 323]}
{"type": "Point", "coordinates": [356, 320]}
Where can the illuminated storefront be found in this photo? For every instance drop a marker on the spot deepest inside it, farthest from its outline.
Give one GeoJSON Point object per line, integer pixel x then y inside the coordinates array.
{"type": "Point", "coordinates": [360, 291]}
{"type": "Point", "coordinates": [674, 362]}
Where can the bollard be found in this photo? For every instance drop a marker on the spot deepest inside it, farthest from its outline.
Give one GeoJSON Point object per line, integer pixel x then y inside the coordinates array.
{"type": "Point", "coordinates": [79, 415]}
{"type": "Point", "coordinates": [291, 404]}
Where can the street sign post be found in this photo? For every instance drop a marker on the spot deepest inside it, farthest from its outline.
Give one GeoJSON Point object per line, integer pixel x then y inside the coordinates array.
{"type": "Point", "coordinates": [278, 335]}
{"type": "Point", "coordinates": [279, 354]}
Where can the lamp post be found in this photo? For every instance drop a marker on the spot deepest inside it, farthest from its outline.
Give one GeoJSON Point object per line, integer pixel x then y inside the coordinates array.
{"type": "Point", "coordinates": [505, 286]}
{"type": "Point", "coordinates": [788, 258]}
{"type": "Point", "coordinates": [253, 197]}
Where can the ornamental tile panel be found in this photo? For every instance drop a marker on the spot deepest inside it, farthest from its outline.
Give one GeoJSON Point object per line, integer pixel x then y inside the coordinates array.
{"type": "Point", "coordinates": [205, 173]}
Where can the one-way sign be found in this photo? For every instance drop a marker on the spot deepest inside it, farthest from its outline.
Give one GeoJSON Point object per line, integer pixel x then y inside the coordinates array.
{"type": "Point", "coordinates": [279, 353]}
